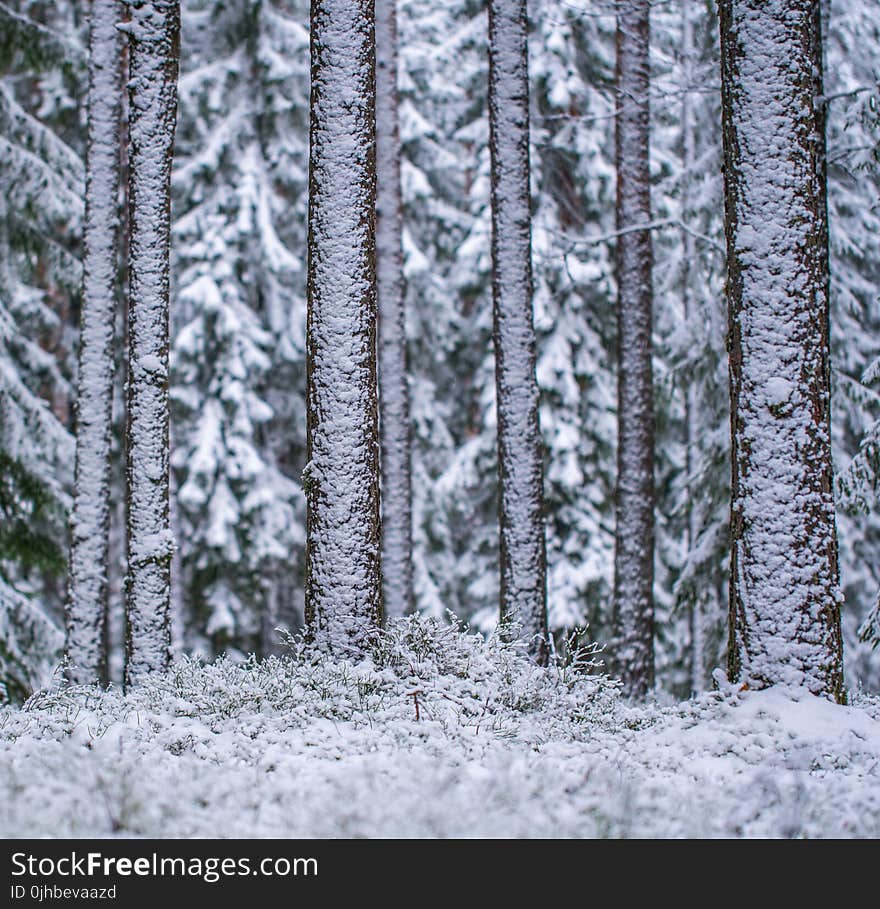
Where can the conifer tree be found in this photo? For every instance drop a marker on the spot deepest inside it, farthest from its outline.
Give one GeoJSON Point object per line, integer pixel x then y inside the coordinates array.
{"type": "Point", "coordinates": [238, 322]}
{"type": "Point", "coordinates": [634, 537]}
{"type": "Point", "coordinates": [41, 212]}
{"type": "Point", "coordinates": [86, 615]}
{"type": "Point", "coordinates": [397, 571]}
{"type": "Point", "coordinates": [522, 547]}
{"type": "Point", "coordinates": [153, 32]}
{"type": "Point", "coordinates": [785, 597]}
{"type": "Point", "coordinates": [343, 584]}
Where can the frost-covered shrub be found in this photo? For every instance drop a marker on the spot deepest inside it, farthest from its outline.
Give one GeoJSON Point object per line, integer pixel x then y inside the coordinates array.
{"type": "Point", "coordinates": [417, 669]}
{"type": "Point", "coordinates": [432, 732]}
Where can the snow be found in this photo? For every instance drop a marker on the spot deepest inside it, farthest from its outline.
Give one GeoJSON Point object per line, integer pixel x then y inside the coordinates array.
{"type": "Point", "coordinates": [777, 391]}
{"type": "Point", "coordinates": [302, 747]}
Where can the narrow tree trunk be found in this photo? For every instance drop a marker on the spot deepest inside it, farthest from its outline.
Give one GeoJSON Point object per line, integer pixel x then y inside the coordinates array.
{"type": "Point", "coordinates": [89, 552]}
{"type": "Point", "coordinates": [784, 595]}
{"type": "Point", "coordinates": [343, 584]}
{"type": "Point", "coordinates": [520, 455]}
{"type": "Point", "coordinates": [154, 33]}
{"type": "Point", "coordinates": [634, 538]}
{"type": "Point", "coordinates": [397, 571]}
{"type": "Point", "coordinates": [691, 404]}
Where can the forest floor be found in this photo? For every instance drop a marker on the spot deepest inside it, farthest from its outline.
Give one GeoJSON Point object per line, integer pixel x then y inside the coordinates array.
{"type": "Point", "coordinates": [435, 734]}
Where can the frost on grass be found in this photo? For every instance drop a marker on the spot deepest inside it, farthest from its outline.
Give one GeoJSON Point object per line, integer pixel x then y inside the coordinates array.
{"type": "Point", "coordinates": [435, 733]}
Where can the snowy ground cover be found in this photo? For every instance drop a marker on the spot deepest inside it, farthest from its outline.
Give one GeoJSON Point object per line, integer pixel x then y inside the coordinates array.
{"type": "Point", "coordinates": [434, 733]}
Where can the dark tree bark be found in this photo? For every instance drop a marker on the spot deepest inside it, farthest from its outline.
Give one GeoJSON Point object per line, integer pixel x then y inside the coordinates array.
{"type": "Point", "coordinates": [343, 584]}
{"type": "Point", "coordinates": [86, 616]}
{"type": "Point", "coordinates": [154, 34]}
{"type": "Point", "coordinates": [633, 654]}
{"type": "Point", "coordinates": [784, 595]}
{"type": "Point", "coordinates": [397, 572]}
{"type": "Point", "coordinates": [520, 456]}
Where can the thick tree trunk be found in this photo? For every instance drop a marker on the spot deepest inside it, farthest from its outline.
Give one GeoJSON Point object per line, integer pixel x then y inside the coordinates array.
{"type": "Point", "coordinates": [343, 583]}
{"type": "Point", "coordinates": [784, 597]}
{"type": "Point", "coordinates": [397, 571]}
{"type": "Point", "coordinates": [520, 455]}
{"type": "Point", "coordinates": [89, 552]}
{"type": "Point", "coordinates": [633, 655]}
{"type": "Point", "coordinates": [154, 32]}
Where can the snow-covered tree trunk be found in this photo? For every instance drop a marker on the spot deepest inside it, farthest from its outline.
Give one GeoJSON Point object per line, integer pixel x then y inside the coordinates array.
{"type": "Point", "coordinates": [633, 654]}
{"type": "Point", "coordinates": [86, 616]}
{"type": "Point", "coordinates": [520, 457]}
{"type": "Point", "coordinates": [343, 584]}
{"type": "Point", "coordinates": [689, 311]}
{"type": "Point", "coordinates": [784, 597]}
{"type": "Point", "coordinates": [397, 571]}
{"type": "Point", "coordinates": [154, 32]}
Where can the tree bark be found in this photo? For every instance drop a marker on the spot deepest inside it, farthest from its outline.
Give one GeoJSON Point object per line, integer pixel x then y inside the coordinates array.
{"type": "Point", "coordinates": [520, 453]}
{"type": "Point", "coordinates": [86, 617]}
{"type": "Point", "coordinates": [633, 655]}
{"type": "Point", "coordinates": [154, 35]}
{"type": "Point", "coordinates": [691, 405]}
{"type": "Point", "coordinates": [341, 479]}
{"type": "Point", "coordinates": [397, 570]}
{"type": "Point", "coordinates": [784, 594]}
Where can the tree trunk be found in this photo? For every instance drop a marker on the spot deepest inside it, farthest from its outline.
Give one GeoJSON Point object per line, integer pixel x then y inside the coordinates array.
{"type": "Point", "coordinates": [520, 454]}
{"type": "Point", "coordinates": [89, 552]}
{"type": "Point", "coordinates": [154, 33]}
{"type": "Point", "coordinates": [691, 405]}
{"type": "Point", "coordinates": [397, 570]}
{"type": "Point", "coordinates": [633, 655]}
{"type": "Point", "coordinates": [784, 595]}
{"type": "Point", "coordinates": [341, 479]}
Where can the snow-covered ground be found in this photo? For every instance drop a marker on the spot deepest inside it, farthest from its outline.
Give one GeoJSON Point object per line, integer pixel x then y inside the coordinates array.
{"type": "Point", "coordinates": [305, 748]}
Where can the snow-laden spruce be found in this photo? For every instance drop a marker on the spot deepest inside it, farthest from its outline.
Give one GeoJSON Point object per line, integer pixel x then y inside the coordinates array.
{"type": "Point", "coordinates": [341, 478]}
{"type": "Point", "coordinates": [522, 549]}
{"type": "Point", "coordinates": [41, 215]}
{"type": "Point", "coordinates": [397, 570]}
{"type": "Point", "coordinates": [785, 599]}
{"type": "Point", "coordinates": [86, 612]}
{"type": "Point", "coordinates": [633, 653]}
{"type": "Point", "coordinates": [153, 34]}
{"type": "Point", "coordinates": [239, 187]}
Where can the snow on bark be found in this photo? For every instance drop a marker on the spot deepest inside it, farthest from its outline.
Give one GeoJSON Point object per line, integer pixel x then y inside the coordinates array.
{"type": "Point", "coordinates": [154, 49]}
{"type": "Point", "coordinates": [633, 654]}
{"type": "Point", "coordinates": [86, 616]}
{"type": "Point", "coordinates": [691, 403]}
{"type": "Point", "coordinates": [341, 478]}
{"type": "Point", "coordinates": [397, 572]}
{"type": "Point", "coordinates": [520, 464]}
{"type": "Point", "coordinates": [785, 599]}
